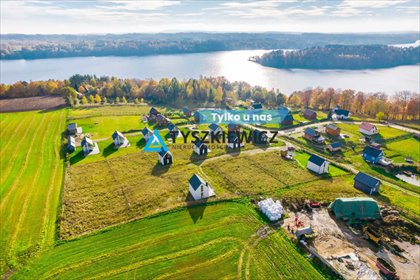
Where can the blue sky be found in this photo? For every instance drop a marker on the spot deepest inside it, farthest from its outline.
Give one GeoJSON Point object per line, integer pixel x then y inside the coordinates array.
{"type": "Point", "coordinates": [71, 17]}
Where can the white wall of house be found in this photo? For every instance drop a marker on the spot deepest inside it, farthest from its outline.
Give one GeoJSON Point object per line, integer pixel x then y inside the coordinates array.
{"type": "Point", "coordinates": [373, 131]}
{"type": "Point", "coordinates": [119, 140]}
{"type": "Point", "coordinates": [202, 192]}
{"type": "Point", "coordinates": [87, 149]}
{"type": "Point", "coordinates": [318, 169]}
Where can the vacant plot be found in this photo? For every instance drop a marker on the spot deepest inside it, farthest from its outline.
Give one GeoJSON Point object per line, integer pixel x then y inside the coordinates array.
{"type": "Point", "coordinates": [110, 110]}
{"type": "Point", "coordinates": [31, 103]}
{"type": "Point", "coordinates": [385, 132]}
{"type": "Point", "coordinates": [409, 147]}
{"type": "Point", "coordinates": [229, 241]}
{"type": "Point", "coordinates": [31, 177]}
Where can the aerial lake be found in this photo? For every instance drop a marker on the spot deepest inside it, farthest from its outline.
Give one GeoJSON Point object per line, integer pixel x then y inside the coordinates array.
{"type": "Point", "coordinates": [233, 65]}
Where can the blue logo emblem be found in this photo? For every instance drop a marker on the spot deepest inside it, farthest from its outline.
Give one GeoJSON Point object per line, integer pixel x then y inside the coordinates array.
{"type": "Point", "coordinates": [155, 143]}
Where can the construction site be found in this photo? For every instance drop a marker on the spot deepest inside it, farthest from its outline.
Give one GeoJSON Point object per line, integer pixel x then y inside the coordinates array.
{"type": "Point", "coordinates": [357, 248]}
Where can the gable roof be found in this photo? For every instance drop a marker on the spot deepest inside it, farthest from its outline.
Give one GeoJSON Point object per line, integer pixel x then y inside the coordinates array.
{"type": "Point", "coordinates": [372, 151]}
{"type": "Point", "coordinates": [146, 131]}
{"type": "Point", "coordinates": [163, 152]}
{"type": "Point", "coordinates": [87, 140]}
{"type": "Point", "coordinates": [153, 111]}
{"type": "Point", "coordinates": [72, 141]}
{"type": "Point", "coordinates": [232, 126]}
{"type": "Point", "coordinates": [233, 138]}
{"type": "Point", "coordinates": [311, 132]}
{"type": "Point", "coordinates": [257, 106]}
{"type": "Point", "coordinates": [199, 143]}
{"type": "Point", "coordinates": [213, 126]}
{"type": "Point", "coordinates": [196, 181]}
{"type": "Point", "coordinates": [367, 126]}
{"type": "Point", "coordinates": [367, 180]}
{"type": "Point", "coordinates": [336, 145]}
{"type": "Point", "coordinates": [309, 112]}
{"type": "Point", "coordinates": [186, 110]}
{"type": "Point", "coordinates": [171, 126]}
{"type": "Point", "coordinates": [317, 160]}
{"type": "Point", "coordinates": [288, 117]}
{"type": "Point", "coordinates": [333, 127]}
{"type": "Point", "coordinates": [117, 134]}
{"type": "Point", "coordinates": [72, 126]}
{"type": "Point", "coordinates": [342, 112]}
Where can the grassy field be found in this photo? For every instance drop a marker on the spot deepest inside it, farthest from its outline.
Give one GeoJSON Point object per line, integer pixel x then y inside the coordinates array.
{"type": "Point", "coordinates": [227, 242]}
{"type": "Point", "coordinates": [409, 147]}
{"type": "Point", "coordinates": [31, 178]}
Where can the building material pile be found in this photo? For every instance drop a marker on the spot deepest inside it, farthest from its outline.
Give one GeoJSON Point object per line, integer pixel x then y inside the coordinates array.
{"type": "Point", "coordinates": [273, 210]}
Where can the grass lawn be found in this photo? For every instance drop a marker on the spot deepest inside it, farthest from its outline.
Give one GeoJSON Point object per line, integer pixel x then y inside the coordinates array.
{"type": "Point", "coordinates": [302, 158]}
{"type": "Point", "coordinates": [385, 132]}
{"type": "Point", "coordinates": [121, 110]}
{"type": "Point", "coordinates": [406, 148]}
{"type": "Point", "coordinates": [212, 242]}
{"type": "Point", "coordinates": [31, 178]}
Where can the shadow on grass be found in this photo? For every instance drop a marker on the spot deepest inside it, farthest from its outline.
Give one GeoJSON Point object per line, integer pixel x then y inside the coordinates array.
{"type": "Point", "coordinates": [141, 143]}
{"type": "Point", "coordinates": [195, 208]}
{"type": "Point", "coordinates": [233, 152]}
{"type": "Point", "coordinates": [159, 169]}
{"type": "Point", "coordinates": [77, 157]}
{"type": "Point", "coordinates": [197, 159]}
{"type": "Point", "coordinates": [109, 150]}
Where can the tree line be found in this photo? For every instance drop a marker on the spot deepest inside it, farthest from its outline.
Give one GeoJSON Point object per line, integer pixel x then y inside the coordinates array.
{"type": "Point", "coordinates": [342, 57]}
{"type": "Point", "coordinates": [18, 46]}
{"type": "Point", "coordinates": [214, 91]}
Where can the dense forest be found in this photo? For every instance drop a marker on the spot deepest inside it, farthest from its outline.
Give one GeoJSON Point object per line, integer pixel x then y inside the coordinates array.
{"type": "Point", "coordinates": [342, 57]}
{"type": "Point", "coordinates": [16, 46]}
{"type": "Point", "coordinates": [214, 91]}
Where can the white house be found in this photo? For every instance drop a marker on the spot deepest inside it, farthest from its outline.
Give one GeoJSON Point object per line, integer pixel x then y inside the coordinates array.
{"type": "Point", "coordinates": [146, 132]}
{"type": "Point", "coordinates": [341, 114]}
{"type": "Point", "coordinates": [317, 164]}
{"type": "Point", "coordinates": [173, 129]}
{"type": "Point", "coordinates": [200, 148]}
{"type": "Point", "coordinates": [200, 189]}
{"type": "Point", "coordinates": [165, 157]}
{"type": "Point", "coordinates": [120, 140]}
{"type": "Point", "coordinates": [89, 147]}
{"type": "Point", "coordinates": [368, 129]}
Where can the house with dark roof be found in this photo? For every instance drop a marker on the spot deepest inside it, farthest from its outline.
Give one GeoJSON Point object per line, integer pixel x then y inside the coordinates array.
{"type": "Point", "coordinates": [89, 147]}
{"type": "Point", "coordinates": [233, 127]}
{"type": "Point", "coordinates": [153, 111]}
{"type": "Point", "coordinates": [146, 132]}
{"type": "Point", "coordinates": [341, 114]}
{"type": "Point", "coordinates": [334, 147]}
{"type": "Point", "coordinates": [368, 129]}
{"type": "Point", "coordinates": [313, 135]}
{"type": "Point", "coordinates": [71, 145]}
{"type": "Point", "coordinates": [73, 129]}
{"type": "Point", "coordinates": [256, 106]}
{"type": "Point", "coordinates": [173, 129]}
{"type": "Point", "coordinates": [186, 112]}
{"type": "Point", "coordinates": [366, 183]}
{"type": "Point", "coordinates": [372, 155]}
{"type": "Point", "coordinates": [332, 130]}
{"type": "Point", "coordinates": [232, 141]}
{"type": "Point", "coordinates": [200, 148]}
{"type": "Point", "coordinates": [309, 114]}
{"type": "Point", "coordinates": [165, 157]}
{"type": "Point", "coordinates": [259, 137]}
{"type": "Point", "coordinates": [288, 119]}
{"type": "Point", "coordinates": [214, 128]}
{"type": "Point", "coordinates": [198, 116]}
{"type": "Point", "coordinates": [161, 120]}
{"type": "Point", "coordinates": [318, 164]}
{"type": "Point", "coordinates": [199, 189]}
{"type": "Point", "coordinates": [120, 141]}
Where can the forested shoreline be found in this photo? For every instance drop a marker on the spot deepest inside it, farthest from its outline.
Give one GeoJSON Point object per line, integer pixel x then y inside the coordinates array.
{"type": "Point", "coordinates": [214, 92]}
{"type": "Point", "coordinates": [20, 46]}
{"type": "Point", "coordinates": [349, 57]}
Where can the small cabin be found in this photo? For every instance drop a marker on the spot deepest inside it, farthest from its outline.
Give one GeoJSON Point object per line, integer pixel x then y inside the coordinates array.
{"type": "Point", "coordinates": [313, 135]}
{"type": "Point", "coordinates": [161, 120]}
{"type": "Point", "coordinates": [173, 129]}
{"type": "Point", "coordinates": [147, 133]}
{"type": "Point", "coordinates": [256, 106]}
{"type": "Point", "coordinates": [332, 130]}
{"type": "Point", "coordinates": [165, 157]}
{"type": "Point", "coordinates": [198, 117]}
{"type": "Point", "coordinates": [318, 164]}
{"type": "Point", "coordinates": [334, 147]}
{"type": "Point", "coordinates": [368, 129]}
{"type": "Point", "coordinates": [153, 112]}
{"type": "Point", "coordinates": [200, 189]}
{"type": "Point", "coordinates": [214, 129]}
{"type": "Point", "coordinates": [119, 139]}
{"type": "Point", "coordinates": [89, 147]}
{"type": "Point", "coordinates": [73, 129]}
{"type": "Point", "coordinates": [200, 148]}
{"type": "Point", "coordinates": [366, 183]}
{"type": "Point", "coordinates": [233, 127]}
{"type": "Point", "coordinates": [186, 112]}
{"type": "Point", "coordinates": [233, 141]}
{"type": "Point", "coordinates": [259, 137]}
{"type": "Point", "coordinates": [341, 114]}
{"type": "Point", "coordinates": [288, 119]}
{"type": "Point", "coordinates": [309, 114]}
{"type": "Point", "coordinates": [372, 155]}
{"type": "Point", "coordinates": [71, 145]}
